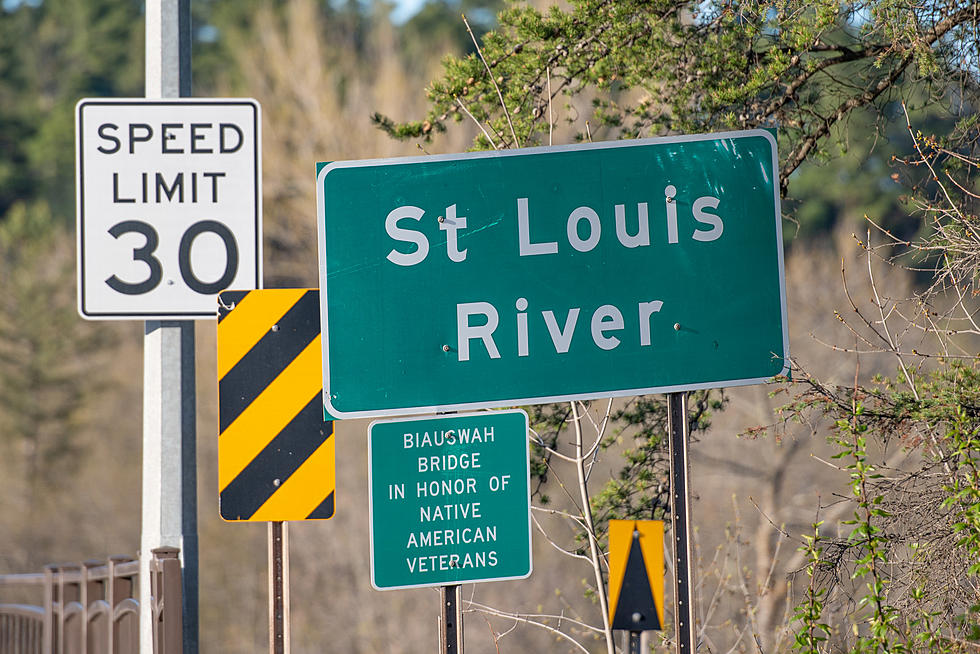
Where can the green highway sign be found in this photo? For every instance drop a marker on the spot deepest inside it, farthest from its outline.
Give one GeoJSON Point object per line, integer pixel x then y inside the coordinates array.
{"type": "Point", "coordinates": [547, 274]}
{"type": "Point", "coordinates": [450, 499]}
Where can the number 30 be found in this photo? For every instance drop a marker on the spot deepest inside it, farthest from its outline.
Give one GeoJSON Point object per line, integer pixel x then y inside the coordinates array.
{"type": "Point", "coordinates": [145, 254]}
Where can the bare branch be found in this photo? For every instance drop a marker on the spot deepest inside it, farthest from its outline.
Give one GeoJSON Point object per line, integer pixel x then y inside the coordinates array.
{"type": "Point", "coordinates": [500, 96]}
{"type": "Point", "coordinates": [476, 122]}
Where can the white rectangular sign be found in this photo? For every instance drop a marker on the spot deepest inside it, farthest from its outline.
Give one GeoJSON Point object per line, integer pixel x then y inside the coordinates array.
{"type": "Point", "coordinates": [169, 203]}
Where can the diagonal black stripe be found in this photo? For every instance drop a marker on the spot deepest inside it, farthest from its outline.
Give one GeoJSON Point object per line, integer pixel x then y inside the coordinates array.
{"type": "Point", "coordinates": [278, 460]}
{"type": "Point", "coordinates": [269, 357]}
{"type": "Point", "coordinates": [324, 511]}
{"type": "Point", "coordinates": [227, 300]}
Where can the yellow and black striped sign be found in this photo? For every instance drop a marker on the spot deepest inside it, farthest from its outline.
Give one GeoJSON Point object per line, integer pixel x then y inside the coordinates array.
{"type": "Point", "coordinates": [636, 574]}
{"type": "Point", "coordinates": [275, 452]}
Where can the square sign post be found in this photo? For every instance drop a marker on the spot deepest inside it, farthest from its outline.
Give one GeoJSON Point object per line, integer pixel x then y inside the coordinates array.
{"type": "Point", "coordinates": [169, 206]}
{"type": "Point", "coordinates": [551, 274]}
{"type": "Point", "coordinates": [449, 499]}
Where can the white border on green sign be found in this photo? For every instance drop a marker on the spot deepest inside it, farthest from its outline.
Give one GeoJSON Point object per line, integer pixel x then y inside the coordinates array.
{"type": "Point", "coordinates": [451, 416]}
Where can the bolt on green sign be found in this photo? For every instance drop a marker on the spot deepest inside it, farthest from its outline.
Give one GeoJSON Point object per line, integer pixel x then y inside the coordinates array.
{"type": "Point", "coordinates": [546, 274]}
{"type": "Point", "coordinates": [450, 499]}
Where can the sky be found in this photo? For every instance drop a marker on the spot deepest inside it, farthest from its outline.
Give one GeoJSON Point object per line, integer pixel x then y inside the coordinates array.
{"type": "Point", "coordinates": [10, 5]}
{"type": "Point", "coordinates": [405, 9]}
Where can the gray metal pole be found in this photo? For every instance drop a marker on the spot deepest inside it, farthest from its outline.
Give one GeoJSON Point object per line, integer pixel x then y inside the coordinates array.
{"type": "Point", "coordinates": [168, 49]}
{"type": "Point", "coordinates": [680, 510]}
{"type": "Point", "coordinates": [169, 510]}
{"type": "Point", "coordinates": [451, 621]}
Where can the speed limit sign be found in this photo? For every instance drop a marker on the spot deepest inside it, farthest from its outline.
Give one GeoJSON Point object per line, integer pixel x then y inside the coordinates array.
{"type": "Point", "coordinates": [169, 205]}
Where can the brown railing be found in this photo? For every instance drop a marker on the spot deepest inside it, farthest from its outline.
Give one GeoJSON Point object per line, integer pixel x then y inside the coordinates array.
{"type": "Point", "coordinates": [93, 608]}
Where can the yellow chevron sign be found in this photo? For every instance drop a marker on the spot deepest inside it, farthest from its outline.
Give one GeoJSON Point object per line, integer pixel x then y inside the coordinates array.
{"type": "Point", "coordinates": [275, 452]}
{"type": "Point", "coordinates": [636, 574]}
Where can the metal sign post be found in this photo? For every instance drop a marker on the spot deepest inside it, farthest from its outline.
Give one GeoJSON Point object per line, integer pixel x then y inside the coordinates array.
{"type": "Point", "coordinates": [680, 511]}
{"type": "Point", "coordinates": [275, 452]}
{"type": "Point", "coordinates": [664, 269]}
{"type": "Point", "coordinates": [451, 620]}
{"type": "Point", "coordinates": [169, 511]}
{"type": "Point", "coordinates": [449, 500]}
{"type": "Point", "coordinates": [278, 588]}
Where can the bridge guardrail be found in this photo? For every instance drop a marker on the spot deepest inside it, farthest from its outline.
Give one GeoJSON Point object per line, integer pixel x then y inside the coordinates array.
{"type": "Point", "coordinates": [92, 608]}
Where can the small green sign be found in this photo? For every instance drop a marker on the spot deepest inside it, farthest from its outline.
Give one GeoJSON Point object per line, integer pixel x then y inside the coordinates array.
{"type": "Point", "coordinates": [450, 499]}
{"type": "Point", "coordinates": [547, 274]}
